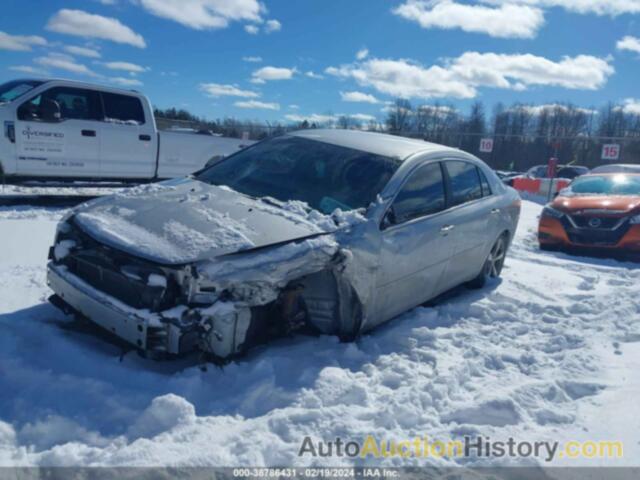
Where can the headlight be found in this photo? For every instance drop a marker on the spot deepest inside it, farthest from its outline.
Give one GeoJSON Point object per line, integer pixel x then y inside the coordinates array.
{"type": "Point", "coordinates": [635, 220]}
{"type": "Point", "coordinates": [552, 212]}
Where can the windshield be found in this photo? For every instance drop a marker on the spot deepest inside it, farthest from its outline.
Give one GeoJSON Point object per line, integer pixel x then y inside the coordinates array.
{"type": "Point", "coordinates": [324, 176]}
{"type": "Point", "coordinates": [11, 90]}
{"type": "Point", "coordinates": [606, 185]}
{"type": "Point", "coordinates": [571, 172]}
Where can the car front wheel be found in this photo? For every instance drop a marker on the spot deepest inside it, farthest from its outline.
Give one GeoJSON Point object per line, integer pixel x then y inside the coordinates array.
{"type": "Point", "coordinates": [492, 267]}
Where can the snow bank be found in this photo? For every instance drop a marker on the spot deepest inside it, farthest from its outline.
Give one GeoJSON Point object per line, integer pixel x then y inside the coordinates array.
{"type": "Point", "coordinates": [550, 352]}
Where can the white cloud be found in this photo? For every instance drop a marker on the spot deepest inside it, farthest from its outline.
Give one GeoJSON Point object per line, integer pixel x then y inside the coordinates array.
{"type": "Point", "coordinates": [83, 24]}
{"type": "Point", "coordinates": [252, 59]}
{"type": "Point", "coordinates": [272, 73]}
{"type": "Point", "coordinates": [629, 43]}
{"type": "Point", "coordinates": [20, 43]}
{"type": "Point", "coordinates": [126, 66]}
{"type": "Point", "coordinates": [328, 118]}
{"type": "Point", "coordinates": [125, 82]}
{"type": "Point", "coordinates": [553, 107]}
{"type": "Point", "coordinates": [504, 21]}
{"type": "Point", "coordinates": [358, 97]}
{"type": "Point", "coordinates": [293, 106]}
{"type": "Point", "coordinates": [361, 117]}
{"type": "Point", "coordinates": [220, 90]}
{"type": "Point", "coordinates": [28, 69]}
{"type": "Point", "coordinates": [60, 61]}
{"type": "Point", "coordinates": [312, 74]}
{"type": "Point", "coordinates": [205, 14]}
{"type": "Point", "coordinates": [251, 29]}
{"type": "Point", "coordinates": [256, 104]}
{"type": "Point", "coordinates": [598, 7]}
{"type": "Point", "coordinates": [631, 106]}
{"type": "Point", "coordinates": [82, 51]}
{"type": "Point", "coordinates": [362, 54]}
{"type": "Point", "coordinates": [460, 77]}
{"type": "Point", "coordinates": [271, 26]}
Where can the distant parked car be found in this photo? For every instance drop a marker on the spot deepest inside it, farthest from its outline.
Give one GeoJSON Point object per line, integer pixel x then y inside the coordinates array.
{"type": "Point", "coordinates": [507, 176]}
{"type": "Point", "coordinates": [596, 210]}
{"type": "Point", "coordinates": [332, 231]}
{"type": "Point", "coordinates": [617, 168]}
{"type": "Point", "coordinates": [563, 171]}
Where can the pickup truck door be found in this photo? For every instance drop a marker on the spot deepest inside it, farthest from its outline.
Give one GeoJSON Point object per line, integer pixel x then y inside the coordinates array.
{"type": "Point", "coordinates": [129, 138]}
{"type": "Point", "coordinates": [58, 133]}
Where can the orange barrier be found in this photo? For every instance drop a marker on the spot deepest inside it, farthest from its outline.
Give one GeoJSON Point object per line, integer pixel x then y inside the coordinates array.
{"type": "Point", "coordinates": [539, 186]}
{"type": "Point", "coordinates": [531, 185]}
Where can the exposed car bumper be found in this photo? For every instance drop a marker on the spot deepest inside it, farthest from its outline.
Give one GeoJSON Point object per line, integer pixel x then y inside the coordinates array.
{"type": "Point", "coordinates": [82, 298]}
{"type": "Point", "coordinates": [552, 232]}
{"type": "Point", "coordinates": [174, 331]}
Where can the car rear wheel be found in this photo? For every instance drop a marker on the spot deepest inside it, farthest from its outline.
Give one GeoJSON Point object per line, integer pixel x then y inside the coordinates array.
{"type": "Point", "coordinates": [492, 267]}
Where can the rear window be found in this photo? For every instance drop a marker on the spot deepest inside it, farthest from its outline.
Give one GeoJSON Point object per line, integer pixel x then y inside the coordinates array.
{"type": "Point", "coordinates": [123, 109]}
{"type": "Point", "coordinates": [486, 188]}
{"type": "Point", "coordinates": [422, 195]}
{"type": "Point", "coordinates": [465, 182]}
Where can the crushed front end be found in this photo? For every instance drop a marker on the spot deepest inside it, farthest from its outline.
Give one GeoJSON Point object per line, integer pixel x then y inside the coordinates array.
{"type": "Point", "coordinates": [221, 307]}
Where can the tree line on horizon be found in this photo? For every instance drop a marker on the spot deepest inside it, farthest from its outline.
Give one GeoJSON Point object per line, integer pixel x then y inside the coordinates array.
{"type": "Point", "coordinates": [523, 135]}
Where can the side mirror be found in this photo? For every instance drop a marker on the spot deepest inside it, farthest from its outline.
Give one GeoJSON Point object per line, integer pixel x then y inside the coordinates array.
{"type": "Point", "coordinates": [389, 219]}
{"type": "Point", "coordinates": [50, 111]}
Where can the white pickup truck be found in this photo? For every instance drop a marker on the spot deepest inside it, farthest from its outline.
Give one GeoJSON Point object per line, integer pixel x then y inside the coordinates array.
{"type": "Point", "coordinates": [61, 129]}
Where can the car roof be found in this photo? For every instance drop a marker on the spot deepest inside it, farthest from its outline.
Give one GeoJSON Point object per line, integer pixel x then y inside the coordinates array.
{"type": "Point", "coordinates": [79, 84]}
{"type": "Point", "coordinates": [377, 143]}
{"type": "Point", "coordinates": [611, 174]}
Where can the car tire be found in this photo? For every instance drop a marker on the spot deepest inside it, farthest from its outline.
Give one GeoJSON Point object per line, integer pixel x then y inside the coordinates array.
{"type": "Point", "coordinates": [548, 247]}
{"type": "Point", "coordinates": [492, 267]}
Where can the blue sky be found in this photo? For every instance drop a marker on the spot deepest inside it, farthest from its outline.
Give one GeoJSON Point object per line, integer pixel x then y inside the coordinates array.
{"type": "Point", "coordinates": [282, 60]}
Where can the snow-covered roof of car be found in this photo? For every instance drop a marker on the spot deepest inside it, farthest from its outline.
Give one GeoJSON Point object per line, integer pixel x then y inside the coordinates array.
{"type": "Point", "coordinates": [376, 143]}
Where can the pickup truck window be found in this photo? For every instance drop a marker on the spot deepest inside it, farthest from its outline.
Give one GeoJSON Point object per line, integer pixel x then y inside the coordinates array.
{"type": "Point", "coordinates": [11, 90]}
{"type": "Point", "coordinates": [74, 104]}
{"type": "Point", "coordinates": [122, 109]}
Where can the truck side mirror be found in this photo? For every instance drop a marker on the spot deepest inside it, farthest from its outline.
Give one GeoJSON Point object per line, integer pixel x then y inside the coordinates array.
{"type": "Point", "coordinates": [49, 111]}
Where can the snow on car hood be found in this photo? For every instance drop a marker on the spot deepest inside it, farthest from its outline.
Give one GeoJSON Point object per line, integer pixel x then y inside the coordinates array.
{"type": "Point", "coordinates": [185, 221]}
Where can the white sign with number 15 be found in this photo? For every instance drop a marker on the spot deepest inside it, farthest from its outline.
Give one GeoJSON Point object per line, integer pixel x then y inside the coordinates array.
{"type": "Point", "coordinates": [611, 151]}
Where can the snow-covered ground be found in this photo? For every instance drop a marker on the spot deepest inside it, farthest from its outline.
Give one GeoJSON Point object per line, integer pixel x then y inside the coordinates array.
{"type": "Point", "coordinates": [550, 352]}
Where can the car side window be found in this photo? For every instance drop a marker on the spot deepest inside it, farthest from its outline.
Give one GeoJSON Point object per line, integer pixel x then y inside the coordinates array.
{"type": "Point", "coordinates": [122, 109]}
{"type": "Point", "coordinates": [71, 103]}
{"type": "Point", "coordinates": [486, 188]}
{"type": "Point", "coordinates": [423, 194]}
{"type": "Point", "coordinates": [465, 182]}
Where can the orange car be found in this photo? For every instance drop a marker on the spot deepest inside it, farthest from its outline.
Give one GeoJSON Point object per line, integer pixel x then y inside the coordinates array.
{"type": "Point", "coordinates": [595, 211]}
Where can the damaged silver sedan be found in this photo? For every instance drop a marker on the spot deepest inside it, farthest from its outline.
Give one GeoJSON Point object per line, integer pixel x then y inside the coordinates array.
{"type": "Point", "coordinates": [325, 231]}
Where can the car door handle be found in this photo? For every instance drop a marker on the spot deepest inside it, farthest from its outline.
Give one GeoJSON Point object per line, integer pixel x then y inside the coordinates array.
{"type": "Point", "coordinates": [88, 133]}
{"type": "Point", "coordinates": [495, 211]}
{"type": "Point", "coordinates": [446, 229]}
{"type": "Point", "coordinates": [145, 138]}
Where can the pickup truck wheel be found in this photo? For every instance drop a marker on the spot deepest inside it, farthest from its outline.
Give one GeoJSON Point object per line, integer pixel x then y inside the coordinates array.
{"type": "Point", "coordinates": [492, 267]}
